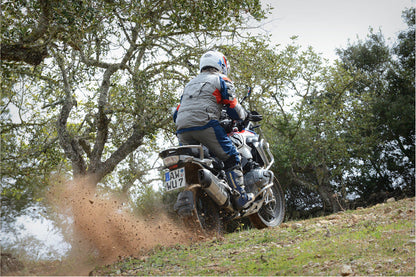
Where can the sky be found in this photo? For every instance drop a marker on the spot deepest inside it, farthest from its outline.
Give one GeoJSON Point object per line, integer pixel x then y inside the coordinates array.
{"type": "Point", "coordinates": [329, 24]}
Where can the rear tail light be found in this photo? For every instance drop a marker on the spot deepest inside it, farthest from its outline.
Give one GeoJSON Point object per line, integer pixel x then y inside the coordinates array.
{"type": "Point", "coordinates": [170, 160]}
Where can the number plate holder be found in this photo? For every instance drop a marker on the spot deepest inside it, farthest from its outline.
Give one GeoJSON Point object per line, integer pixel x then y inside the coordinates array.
{"type": "Point", "coordinates": [175, 179]}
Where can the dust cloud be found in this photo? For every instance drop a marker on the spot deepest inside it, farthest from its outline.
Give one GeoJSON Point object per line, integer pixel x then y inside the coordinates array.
{"type": "Point", "coordinates": [104, 231]}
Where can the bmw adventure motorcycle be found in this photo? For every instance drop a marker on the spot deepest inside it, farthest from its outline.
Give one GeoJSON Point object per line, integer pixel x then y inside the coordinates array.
{"type": "Point", "coordinates": [206, 200]}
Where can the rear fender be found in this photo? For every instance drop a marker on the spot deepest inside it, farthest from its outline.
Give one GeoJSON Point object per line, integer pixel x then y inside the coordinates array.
{"type": "Point", "coordinates": [191, 173]}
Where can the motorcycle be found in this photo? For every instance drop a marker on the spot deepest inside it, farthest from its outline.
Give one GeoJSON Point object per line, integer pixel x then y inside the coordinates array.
{"type": "Point", "coordinates": [206, 200]}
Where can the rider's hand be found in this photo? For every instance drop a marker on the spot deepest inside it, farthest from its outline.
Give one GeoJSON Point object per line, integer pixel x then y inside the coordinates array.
{"type": "Point", "coordinates": [254, 116]}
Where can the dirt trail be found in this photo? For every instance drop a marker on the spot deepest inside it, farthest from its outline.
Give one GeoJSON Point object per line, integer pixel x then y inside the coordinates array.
{"type": "Point", "coordinates": [104, 231]}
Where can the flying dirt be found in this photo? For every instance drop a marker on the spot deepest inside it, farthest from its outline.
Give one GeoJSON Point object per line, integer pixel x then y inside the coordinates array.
{"type": "Point", "coordinates": [104, 230]}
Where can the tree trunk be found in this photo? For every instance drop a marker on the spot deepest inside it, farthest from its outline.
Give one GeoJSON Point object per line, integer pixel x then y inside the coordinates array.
{"type": "Point", "coordinates": [325, 189]}
{"type": "Point", "coordinates": [329, 198]}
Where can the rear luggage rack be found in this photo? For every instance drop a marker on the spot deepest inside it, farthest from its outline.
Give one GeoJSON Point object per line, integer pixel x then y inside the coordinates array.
{"type": "Point", "coordinates": [190, 150]}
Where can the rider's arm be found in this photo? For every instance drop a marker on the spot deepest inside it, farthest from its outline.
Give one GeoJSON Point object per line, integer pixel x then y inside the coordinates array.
{"type": "Point", "coordinates": [175, 112]}
{"type": "Point", "coordinates": [234, 109]}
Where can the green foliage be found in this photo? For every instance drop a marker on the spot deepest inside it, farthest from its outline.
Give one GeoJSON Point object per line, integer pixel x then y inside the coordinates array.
{"type": "Point", "coordinates": [288, 87]}
{"type": "Point", "coordinates": [29, 150]}
{"type": "Point", "coordinates": [384, 92]}
{"type": "Point", "coordinates": [337, 132]}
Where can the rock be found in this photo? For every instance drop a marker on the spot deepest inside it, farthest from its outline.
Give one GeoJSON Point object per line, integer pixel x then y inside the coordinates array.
{"type": "Point", "coordinates": [370, 270]}
{"type": "Point", "coordinates": [284, 225]}
{"type": "Point", "coordinates": [325, 222]}
{"type": "Point", "coordinates": [387, 210]}
{"type": "Point", "coordinates": [296, 226]}
{"type": "Point", "coordinates": [391, 200]}
{"type": "Point", "coordinates": [346, 270]}
{"type": "Point", "coordinates": [410, 242]}
{"type": "Point", "coordinates": [334, 217]}
{"type": "Point", "coordinates": [355, 217]}
{"type": "Point", "coordinates": [328, 233]}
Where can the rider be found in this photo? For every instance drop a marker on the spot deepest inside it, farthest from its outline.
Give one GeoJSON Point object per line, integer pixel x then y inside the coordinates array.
{"type": "Point", "coordinates": [197, 118]}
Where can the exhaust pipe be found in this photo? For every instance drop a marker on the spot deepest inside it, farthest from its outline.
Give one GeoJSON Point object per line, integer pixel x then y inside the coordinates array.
{"type": "Point", "coordinates": [214, 188]}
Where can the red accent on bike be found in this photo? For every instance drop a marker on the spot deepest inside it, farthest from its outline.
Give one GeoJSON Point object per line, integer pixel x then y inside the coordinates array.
{"type": "Point", "coordinates": [173, 166]}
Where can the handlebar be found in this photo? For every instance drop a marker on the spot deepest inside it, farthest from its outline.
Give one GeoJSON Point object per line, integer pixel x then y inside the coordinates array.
{"type": "Point", "coordinates": [254, 116]}
{"type": "Point", "coordinates": [228, 124]}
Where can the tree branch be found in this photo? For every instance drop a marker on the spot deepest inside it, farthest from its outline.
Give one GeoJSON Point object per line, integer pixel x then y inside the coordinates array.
{"type": "Point", "coordinates": [134, 141]}
{"type": "Point", "coordinates": [70, 145]}
{"type": "Point", "coordinates": [29, 50]}
{"type": "Point", "coordinates": [101, 116]}
{"type": "Point", "coordinates": [32, 55]}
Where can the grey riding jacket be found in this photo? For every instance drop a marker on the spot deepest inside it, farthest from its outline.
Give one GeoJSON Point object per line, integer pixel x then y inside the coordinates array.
{"type": "Point", "coordinates": [203, 100]}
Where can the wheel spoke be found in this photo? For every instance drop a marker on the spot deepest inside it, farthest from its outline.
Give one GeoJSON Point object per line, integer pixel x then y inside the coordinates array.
{"type": "Point", "coordinates": [272, 212]}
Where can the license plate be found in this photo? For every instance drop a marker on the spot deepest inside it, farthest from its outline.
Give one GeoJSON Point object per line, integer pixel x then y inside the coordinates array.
{"type": "Point", "coordinates": [175, 179]}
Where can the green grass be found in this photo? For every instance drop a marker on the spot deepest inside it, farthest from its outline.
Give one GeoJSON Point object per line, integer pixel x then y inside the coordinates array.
{"type": "Point", "coordinates": [375, 241]}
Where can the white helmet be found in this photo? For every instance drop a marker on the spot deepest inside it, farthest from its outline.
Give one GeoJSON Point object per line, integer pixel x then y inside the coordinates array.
{"type": "Point", "coordinates": [215, 59]}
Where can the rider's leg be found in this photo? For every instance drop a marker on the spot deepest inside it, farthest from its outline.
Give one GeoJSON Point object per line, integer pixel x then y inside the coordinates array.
{"type": "Point", "coordinates": [217, 141]}
{"type": "Point", "coordinates": [236, 180]}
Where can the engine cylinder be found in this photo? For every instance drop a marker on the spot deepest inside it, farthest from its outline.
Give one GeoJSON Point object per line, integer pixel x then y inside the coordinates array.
{"type": "Point", "coordinates": [258, 177]}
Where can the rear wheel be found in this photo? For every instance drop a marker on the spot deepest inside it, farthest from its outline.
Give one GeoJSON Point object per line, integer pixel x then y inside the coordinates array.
{"type": "Point", "coordinates": [273, 211]}
{"type": "Point", "coordinates": [206, 214]}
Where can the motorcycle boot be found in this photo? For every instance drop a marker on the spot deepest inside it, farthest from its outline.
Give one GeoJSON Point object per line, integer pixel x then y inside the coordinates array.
{"type": "Point", "coordinates": [236, 180]}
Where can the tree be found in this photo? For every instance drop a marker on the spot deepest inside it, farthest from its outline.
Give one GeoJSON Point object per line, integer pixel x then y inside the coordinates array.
{"type": "Point", "coordinates": [385, 79]}
{"type": "Point", "coordinates": [334, 134]}
{"type": "Point", "coordinates": [285, 82]}
{"type": "Point", "coordinates": [106, 74]}
{"type": "Point", "coordinates": [395, 110]}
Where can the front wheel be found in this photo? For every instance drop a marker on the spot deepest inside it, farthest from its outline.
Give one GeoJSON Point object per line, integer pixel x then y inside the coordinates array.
{"type": "Point", "coordinates": [272, 212]}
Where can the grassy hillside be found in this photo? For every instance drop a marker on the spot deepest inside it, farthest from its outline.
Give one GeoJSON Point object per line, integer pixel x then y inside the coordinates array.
{"type": "Point", "coordinates": [375, 241]}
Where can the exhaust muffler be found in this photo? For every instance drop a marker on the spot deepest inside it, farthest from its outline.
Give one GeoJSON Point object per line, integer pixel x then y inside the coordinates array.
{"type": "Point", "coordinates": [214, 188]}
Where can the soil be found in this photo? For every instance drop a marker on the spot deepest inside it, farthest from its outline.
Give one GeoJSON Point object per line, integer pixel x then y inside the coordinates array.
{"type": "Point", "coordinates": [103, 230]}
{"type": "Point", "coordinates": [10, 263]}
